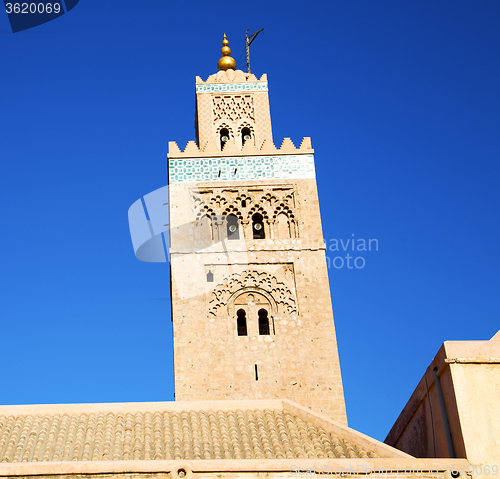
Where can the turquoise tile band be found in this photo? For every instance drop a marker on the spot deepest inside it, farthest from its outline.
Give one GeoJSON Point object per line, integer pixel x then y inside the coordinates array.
{"type": "Point", "coordinates": [223, 87]}
{"type": "Point", "coordinates": [240, 168]}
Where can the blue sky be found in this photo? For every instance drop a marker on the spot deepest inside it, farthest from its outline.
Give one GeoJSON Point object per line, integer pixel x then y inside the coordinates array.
{"type": "Point", "coordinates": [401, 100]}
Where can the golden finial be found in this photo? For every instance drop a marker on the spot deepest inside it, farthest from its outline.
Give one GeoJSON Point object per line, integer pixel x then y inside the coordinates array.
{"type": "Point", "coordinates": [226, 61]}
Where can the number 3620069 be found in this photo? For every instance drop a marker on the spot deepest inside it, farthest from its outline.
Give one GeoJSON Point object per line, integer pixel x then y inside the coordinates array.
{"type": "Point", "coordinates": [33, 7]}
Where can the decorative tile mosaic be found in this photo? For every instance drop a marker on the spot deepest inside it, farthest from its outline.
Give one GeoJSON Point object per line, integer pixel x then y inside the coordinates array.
{"type": "Point", "coordinates": [240, 168]}
{"type": "Point", "coordinates": [212, 88]}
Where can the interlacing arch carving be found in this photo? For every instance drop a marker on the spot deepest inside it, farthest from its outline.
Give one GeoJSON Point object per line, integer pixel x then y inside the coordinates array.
{"type": "Point", "coordinates": [281, 297]}
{"type": "Point", "coordinates": [286, 225]}
{"type": "Point", "coordinates": [210, 204]}
{"type": "Point", "coordinates": [289, 198]}
{"type": "Point", "coordinates": [244, 203]}
{"type": "Point", "coordinates": [258, 209]}
{"type": "Point", "coordinates": [232, 210]}
{"type": "Point", "coordinates": [283, 208]}
{"type": "Point", "coordinates": [227, 127]}
{"type": "Point", "coordinates": [243, 199]}
{"type": "Point", "coordinates": [219, 201]}
{"type": "Point", "coordinates": [245, 125]}
{"type": "Point", "coordinates": [204, 210]}
{"type": "Point", "coordinates": [269, 199]}
{"type": "Point", "coordinates": [198, 202]}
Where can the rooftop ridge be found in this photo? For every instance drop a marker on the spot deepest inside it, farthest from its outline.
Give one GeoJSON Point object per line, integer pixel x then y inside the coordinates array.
{"type": "Point", "coordinates": [192, 150]}
{"type": "Point", "coordinates": [91, 408]}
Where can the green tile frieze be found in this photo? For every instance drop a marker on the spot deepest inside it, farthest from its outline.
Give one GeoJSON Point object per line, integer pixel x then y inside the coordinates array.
{"type": "Point", "coordinates": [240, 168]}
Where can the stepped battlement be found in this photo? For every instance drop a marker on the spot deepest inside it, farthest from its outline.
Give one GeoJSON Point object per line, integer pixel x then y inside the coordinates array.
{"type": "Point", "coordinates": [210, 149]}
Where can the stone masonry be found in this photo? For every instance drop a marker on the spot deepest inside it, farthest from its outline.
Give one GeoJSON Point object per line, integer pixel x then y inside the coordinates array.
{"type": "Point", "coordinates": [275, 278]}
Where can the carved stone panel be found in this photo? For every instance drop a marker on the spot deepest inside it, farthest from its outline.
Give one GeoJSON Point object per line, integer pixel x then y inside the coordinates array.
{"type": "Point", "coordinates": [281, 299]}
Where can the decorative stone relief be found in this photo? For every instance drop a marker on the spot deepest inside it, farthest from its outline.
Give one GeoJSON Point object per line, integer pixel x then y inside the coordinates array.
{"type": "Point", "coordinates": [279, 295]}
{"type": "Point", "coordinates": [270, 202]}
{"type": "Point", "coordinates": [233, 108]}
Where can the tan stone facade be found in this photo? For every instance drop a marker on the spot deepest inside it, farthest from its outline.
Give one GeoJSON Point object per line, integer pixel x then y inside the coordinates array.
{"type": "Point", "coordinates": [469, 378]}
{"type": "Point", "coordinates": [271, 282]}
{"type": "Point", "coordinates": [234, 109]}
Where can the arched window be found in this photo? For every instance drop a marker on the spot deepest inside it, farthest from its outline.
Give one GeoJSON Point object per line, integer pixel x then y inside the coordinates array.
{"type": "Point", "coordinates": [258, 226]}
{"type": "Point", "coordinates": [241, 322]}
{"type": "Point", "coordinates": [263, 322]}
{"type": "Point", "coordinates": [233, 231]}
{"type": "Point", "coordinates": [204, 230]}
{"type": "Point", "coordinates": [246, 134]}
{"type": "Point", "coordinates": [224, 137]}
{"type": "Point", "coordinates": [283, 226]}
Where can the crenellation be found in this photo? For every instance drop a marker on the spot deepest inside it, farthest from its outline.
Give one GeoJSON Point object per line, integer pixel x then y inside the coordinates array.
{"type": "Point", "coordinates": [231, 76]}
{"type": "Point", "coordinates": [173, 149]}
{"type": "Point", "coordinates": [305, 144]}
{"type": "Point", "coordinates": [191, 148]}
{"type": "Point", "coordinates": [287, 146]}
{"type": "Point", "coordinates": [210, 148]}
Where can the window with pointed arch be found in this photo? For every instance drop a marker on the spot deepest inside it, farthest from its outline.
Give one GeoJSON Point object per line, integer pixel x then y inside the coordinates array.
{"type": "Point", "coordinates": [283, 226]}
{"type": "Point", "coordinates": [203, 231]}
{"type": "Point", "coordinates": [246, 134]}
{"type": "Point", "coordinates": [258, 226]}
{"type": "Point", "coordinates": [241, 322]}
{"type": "Point", "coordinates": [252, 314]}
{"type": "Point", "coordinates": [224, 137]}
{"type": "Point", "coordinates": [233, 227]}
{"type": "Point", "coordinates": [264, 329]}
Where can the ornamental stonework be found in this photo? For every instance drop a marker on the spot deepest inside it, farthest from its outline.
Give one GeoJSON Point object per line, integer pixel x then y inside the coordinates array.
{"type": "Point", "coordinates": [233, 108]}
{"type": "Point", "coordinates": [223, 296]}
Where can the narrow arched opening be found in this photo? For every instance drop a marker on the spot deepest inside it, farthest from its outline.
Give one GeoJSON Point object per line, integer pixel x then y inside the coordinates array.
{"type": "Point", "coordinates": [263, 322]}
{"type": "Point", "coordinates": [241, 321]}
{"type": "Point", "coordinates": [224, 137]}
{"type": "Point", "coordinates": [258, 226]}
{"type": "Point", "coordinates": [246, 135]}
{"type": "Point", "coordinates": [204, 232]}
{"type": "Point", "coordinates": [283, 226]}
{"type": "Point", "coordinates": [233, 230]}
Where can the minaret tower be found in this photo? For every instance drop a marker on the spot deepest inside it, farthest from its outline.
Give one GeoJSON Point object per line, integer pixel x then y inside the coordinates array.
{"type": "Point", "coordinates": [251, 308]}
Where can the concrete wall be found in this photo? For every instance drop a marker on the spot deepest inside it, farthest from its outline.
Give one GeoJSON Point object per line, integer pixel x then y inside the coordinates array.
{"type": "Point", "coordinates": [469, 372]}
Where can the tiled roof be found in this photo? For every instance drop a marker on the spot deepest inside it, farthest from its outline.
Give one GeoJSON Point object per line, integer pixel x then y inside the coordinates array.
{"type": "Point", "coordinates": [160, 432]}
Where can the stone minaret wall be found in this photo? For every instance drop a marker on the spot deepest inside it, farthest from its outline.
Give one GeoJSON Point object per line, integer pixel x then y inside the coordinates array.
{"type": "Point", "coordinates": [234, 100]}
{"type": "Point", "coordinates": [219, 275]}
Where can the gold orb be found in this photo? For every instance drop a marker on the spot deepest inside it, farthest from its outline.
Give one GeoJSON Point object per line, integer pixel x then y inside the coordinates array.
{"type": "Point", "coordinates": [226, 62]}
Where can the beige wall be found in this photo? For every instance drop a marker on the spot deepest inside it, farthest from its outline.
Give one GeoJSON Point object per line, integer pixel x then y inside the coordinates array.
{"type": "Point", "coordinates": [477, 389]}
{"type": "Point", "coordinates": [244, 469]}
{"type": "Point", "coordinates": [299, 359]}
{"type": "Point", "coordinates": [469, 372]}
